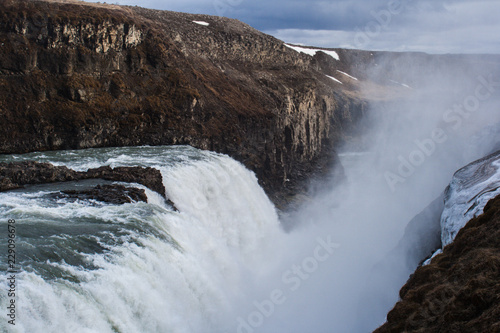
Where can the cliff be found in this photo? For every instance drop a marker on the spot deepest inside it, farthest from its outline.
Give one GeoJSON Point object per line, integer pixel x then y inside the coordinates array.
{"type": "Point", "coordinates": [78, 75]}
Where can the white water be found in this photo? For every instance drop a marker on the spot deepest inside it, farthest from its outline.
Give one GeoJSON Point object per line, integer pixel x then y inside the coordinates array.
{"type": "Point", "coordinates": [159, 270]}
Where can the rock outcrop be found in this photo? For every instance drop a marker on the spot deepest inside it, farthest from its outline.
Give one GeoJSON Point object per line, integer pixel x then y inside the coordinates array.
{"type": "Point", "coordinates": [17, 174]}
{"type": "Point", "coordinates": [114, 194]}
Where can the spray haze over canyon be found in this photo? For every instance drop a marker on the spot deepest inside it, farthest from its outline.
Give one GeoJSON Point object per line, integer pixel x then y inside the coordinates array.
{"type": "Point", "coordinates": [323, 194]}
{"type": "Point", "coordinates": [409, 155]}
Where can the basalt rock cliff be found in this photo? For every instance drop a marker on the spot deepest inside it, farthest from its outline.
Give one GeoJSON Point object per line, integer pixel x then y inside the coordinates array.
{"type": "Point", "coordinates": [77, 75]}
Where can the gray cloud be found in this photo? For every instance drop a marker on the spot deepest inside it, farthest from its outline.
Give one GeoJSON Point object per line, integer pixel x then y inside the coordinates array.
{"type": "Point", "coordinates": [435, 26]}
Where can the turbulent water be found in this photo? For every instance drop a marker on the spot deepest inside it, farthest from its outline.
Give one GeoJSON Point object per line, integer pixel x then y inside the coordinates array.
{"type": "Point", "coordinates": [140, 267]}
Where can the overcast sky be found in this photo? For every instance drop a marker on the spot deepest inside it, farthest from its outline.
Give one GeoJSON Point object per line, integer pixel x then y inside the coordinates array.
{"type": "Point", "coordinates": [433, 26]}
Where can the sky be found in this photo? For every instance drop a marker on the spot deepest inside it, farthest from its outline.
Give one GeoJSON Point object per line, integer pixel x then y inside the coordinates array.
{"type": "Point", "coordinates": [432, 26]}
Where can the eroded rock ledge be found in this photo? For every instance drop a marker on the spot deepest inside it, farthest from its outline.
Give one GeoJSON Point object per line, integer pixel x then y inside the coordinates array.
{"type": "Point", "coordinates": [17, 174]}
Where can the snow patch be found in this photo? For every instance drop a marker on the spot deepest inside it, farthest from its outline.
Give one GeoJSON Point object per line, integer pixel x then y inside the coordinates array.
{"type": "Point", "coordinates": [428, 261]}
{"type": "Point", "coordinates": [312, 52]}
{"type": "Point", "coordinates": [206, 24]}
{"type": "Point", "coordinates": [334, 79]}
{"type": "Point", "coordinates": [470, 190]}
{"type": "Point", "coordinates": [352, 77]}
{"type": "Point", "coordinates": [401, 84]}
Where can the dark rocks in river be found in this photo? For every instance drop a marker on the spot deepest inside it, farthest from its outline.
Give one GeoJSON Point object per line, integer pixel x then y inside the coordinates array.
{"type": "Point", "coordinates": [17, 174]}
{"type": "Point", "coordinates": [149, 177]}
{"type": "Point", "coordinates": [459, 291]}
{"type": "Point", "coordinates": [113, 194]}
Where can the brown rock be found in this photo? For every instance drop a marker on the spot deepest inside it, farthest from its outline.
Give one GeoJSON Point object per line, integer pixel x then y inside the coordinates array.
{"type": "Point", "coordinates": [16, 174]}
{"type": "Point", "coordinates": [114, 194]}
{"type": "Point", "coordinates": [149, 177]}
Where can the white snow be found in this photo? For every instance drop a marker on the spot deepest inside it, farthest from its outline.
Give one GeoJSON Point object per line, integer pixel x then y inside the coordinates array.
{"type": "Point", "coordinates": [401, 84]}
{"type": "Point", "coordinates": [428, 261]}
{"type": "Point", "coordinates": [470, 190]}
{"type": "Point", "coordinates": [334, 79]}
{"type": "Point", "coordinates": [352, 77]}
{"type": "Point", "coordinates": [206, 24]}
{"type": "Point", "coordinates": [312, 51]}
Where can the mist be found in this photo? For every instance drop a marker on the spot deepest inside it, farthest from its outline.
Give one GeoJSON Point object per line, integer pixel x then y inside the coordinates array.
{"type": "Point", "coordinates": [339, 271]}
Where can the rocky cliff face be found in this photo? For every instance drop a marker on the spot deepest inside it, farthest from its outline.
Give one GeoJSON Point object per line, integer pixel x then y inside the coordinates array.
{"type": "Point", "coordinates": [76, 75]}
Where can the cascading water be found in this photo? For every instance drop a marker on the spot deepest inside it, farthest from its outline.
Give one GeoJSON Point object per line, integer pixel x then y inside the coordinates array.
{"type": "Point", "coordinates": [139, 267]}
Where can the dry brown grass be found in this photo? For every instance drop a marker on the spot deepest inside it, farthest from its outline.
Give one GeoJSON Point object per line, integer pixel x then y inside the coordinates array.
{"type": "Point", "coordinates": [121, 8]}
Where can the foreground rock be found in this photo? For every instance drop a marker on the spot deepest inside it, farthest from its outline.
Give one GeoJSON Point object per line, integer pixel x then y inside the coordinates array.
{"type": "Point", "coordinates": [17, 174]}
{"type": "Point", "coordinates": [459, 291]}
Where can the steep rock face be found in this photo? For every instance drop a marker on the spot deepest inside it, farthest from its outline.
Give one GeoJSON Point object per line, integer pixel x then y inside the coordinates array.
{"type": "Point", "coordinates": [77, 75]}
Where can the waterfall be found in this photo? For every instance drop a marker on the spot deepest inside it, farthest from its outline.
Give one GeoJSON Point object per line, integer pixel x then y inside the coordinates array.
{"type": "Point", "coordinates": [140, 267]}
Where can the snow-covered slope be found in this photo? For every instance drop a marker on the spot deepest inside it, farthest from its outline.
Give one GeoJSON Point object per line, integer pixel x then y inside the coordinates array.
{"type": "Point", "coordinates": [312, 51]}
{"type": "Point", "coordinates": [469, 191]}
